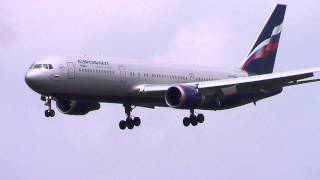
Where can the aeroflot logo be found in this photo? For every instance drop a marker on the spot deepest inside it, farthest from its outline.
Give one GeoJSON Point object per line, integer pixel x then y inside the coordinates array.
{"type": "Point", "coordinates": [84, 61]}
{"type": "Point", "coordinates": [266, 47]}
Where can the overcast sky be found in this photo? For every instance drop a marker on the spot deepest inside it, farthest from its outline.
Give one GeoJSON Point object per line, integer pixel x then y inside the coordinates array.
{"type": "Point", "coordinates": [277, 139]}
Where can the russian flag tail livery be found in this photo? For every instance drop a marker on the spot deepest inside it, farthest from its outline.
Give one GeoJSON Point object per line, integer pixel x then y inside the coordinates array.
{"type": "Point", "coordinates": [262, 55]}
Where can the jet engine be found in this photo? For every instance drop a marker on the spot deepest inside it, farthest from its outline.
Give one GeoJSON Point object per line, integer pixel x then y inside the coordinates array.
{"type": "Point", "coordinates": [73, 107]}
{"type": "Point", "coordinates": [183, 97]}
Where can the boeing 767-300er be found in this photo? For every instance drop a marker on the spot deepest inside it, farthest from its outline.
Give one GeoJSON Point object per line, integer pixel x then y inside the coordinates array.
{"type": "Point", "coordinates": [78, 85]}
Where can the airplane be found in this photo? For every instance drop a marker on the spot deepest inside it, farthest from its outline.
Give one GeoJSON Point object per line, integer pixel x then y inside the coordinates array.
{"type": "Point", "coordinates": [79, 85]}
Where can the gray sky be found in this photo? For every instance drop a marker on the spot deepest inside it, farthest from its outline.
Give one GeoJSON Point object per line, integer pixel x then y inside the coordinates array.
{"type": "Point", "coordinates": [278, 139]}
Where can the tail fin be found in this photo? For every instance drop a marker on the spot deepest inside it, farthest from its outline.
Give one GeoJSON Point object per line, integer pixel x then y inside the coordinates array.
{"type": "Point", "coordinates": [262, 55]}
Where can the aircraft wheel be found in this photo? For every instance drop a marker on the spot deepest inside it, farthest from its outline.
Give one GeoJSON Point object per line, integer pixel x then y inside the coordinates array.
{"type": "Point", "coordinates": [200, 118]}
{"type": "Point", "coordinates": [122, 124]}
{"type": "Point", "coordinates": [136, 121]}
{"type": "Point", "coordinates": [47, 113]}
{"type": "Point", "coordinates": [52, 113]}
{"type": "Point", "coordinates": [194, 121]}
{"type": "Point", "coordinates": [186, 121]}
{"type": "Point", "coordinates": [130, 123]}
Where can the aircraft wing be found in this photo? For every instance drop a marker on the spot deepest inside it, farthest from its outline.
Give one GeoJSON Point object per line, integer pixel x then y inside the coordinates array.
{"type": "Point", "coordinates": [249, 83]}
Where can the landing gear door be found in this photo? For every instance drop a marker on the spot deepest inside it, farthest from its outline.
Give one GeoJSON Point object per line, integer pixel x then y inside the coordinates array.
{"type": "Point", "coordinates": [122, 74]}
{"type": "Point", "coordinates": [71, 70]}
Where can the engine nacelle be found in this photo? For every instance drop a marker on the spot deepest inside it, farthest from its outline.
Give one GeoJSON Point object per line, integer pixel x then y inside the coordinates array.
{"type": "Point", "coordinates": [183, 97]}
{"type": "Point", "coordinates": [73, 107]}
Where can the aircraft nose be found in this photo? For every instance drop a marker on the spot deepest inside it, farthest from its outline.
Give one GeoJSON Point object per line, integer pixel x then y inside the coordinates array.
{"type": "Point", "coordinates": [38, 80]}
{"type": "Point", "coordinates": [30, 79]}
{"type": "Point", "coordinates": [34, 80]}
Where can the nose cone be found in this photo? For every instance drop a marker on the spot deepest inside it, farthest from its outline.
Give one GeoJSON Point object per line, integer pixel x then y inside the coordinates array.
{"type": "Point", "coordinates": [30, 79]}
{"type": "Point", "coordinates": [35, 81]}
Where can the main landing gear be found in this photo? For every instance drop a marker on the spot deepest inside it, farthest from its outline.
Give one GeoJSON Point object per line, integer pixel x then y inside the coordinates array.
{"type": "Point", "coordinates": [129, 122]}
{"type": "Point", "coordinates": [193, 119]}
{"type": "Point", "coordinates": [49, 112]}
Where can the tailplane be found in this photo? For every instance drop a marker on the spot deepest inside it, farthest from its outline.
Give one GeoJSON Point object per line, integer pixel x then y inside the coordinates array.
{"type": "Point", "coordinates": [261, 57]}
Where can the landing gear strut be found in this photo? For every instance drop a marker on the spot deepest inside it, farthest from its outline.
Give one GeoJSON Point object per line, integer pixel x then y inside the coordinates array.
{"type": "Point", "coordinates": [193, 119]}
{"type": "Point", "coordinates": [129, 122]}
{"type": "Point", "coordinates": [49, 112]}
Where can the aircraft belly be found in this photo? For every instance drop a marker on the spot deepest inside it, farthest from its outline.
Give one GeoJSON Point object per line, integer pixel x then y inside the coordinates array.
{"type": "Point", "coordinates": [90, 87]}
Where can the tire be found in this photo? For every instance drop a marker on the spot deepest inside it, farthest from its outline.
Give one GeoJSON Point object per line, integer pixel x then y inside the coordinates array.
{"type": "Point", "coordinates": [186, 121]}
{"type": "Point", "coordinates": [136, 121]}
{"type": "Point", "coordinates": [200, 118]}
{"type": "Point", "coordinates": [122, 125]}
{"type": "Point", "coordinates": [194, 122]}
{"type": "Point", "coordinates": [129, 123]}
{"type": "Point", "coordinates": [46, 113]}
{"type": "Point", "coordinates": [52, 113]}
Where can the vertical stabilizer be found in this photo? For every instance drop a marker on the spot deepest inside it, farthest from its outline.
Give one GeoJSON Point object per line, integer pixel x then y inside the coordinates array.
{"type": "Point", "coordinates": [262, 55]}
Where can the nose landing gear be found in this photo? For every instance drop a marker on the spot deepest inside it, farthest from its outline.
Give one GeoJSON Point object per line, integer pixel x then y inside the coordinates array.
{"type": "Point", "coordinates": [49, 112]}
{"type": "Point", "coordinates": [129, 122]}
{"type": "Point", "coordinates": [193, 119]}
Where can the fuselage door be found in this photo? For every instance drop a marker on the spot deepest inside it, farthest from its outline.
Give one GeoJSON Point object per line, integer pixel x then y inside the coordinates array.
{"type": "Point", "coordinates": [71, 70]}
{"type": "Point", "coordinates": [122, 74]}
{"type": "Point", "coordinates": [191, 77]}
{"type": "Point", "coordinates": [58, 72]}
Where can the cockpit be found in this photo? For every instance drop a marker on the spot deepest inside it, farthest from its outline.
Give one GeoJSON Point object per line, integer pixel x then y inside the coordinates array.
{"type": "Point", "coordinates": [41, 66]}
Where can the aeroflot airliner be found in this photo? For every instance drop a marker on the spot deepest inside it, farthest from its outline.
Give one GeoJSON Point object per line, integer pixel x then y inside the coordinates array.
{"type": "Point", "coordinates": [78, 85]}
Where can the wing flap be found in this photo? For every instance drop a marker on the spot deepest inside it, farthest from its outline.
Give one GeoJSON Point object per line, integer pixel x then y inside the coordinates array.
{"type": "Point", "coordinates": [270, 82]}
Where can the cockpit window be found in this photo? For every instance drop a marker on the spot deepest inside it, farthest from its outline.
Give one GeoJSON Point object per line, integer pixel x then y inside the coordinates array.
{"type": "Point", "coordinates": [31, 66]}
{"type": "Point", "coordinates": [37, 66]}
{"type": "Point", "coordinates": [44, 66]}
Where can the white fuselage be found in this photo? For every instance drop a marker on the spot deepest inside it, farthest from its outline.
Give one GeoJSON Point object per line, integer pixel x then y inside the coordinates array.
{"type": "Point", "coordinates": [115, 80]}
